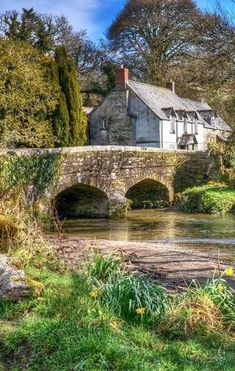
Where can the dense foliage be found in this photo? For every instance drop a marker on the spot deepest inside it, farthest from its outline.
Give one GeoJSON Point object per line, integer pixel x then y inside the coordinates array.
{"type": "Point", "coordinates": [40, 99]}
{"type": "Point", "coordinates": [26, 97]}
{"type": "Point", "coordinates": [46, 32]}
{"type": "Point", "coordinates": [25, 183]}
{"type": "Point", "coordinates": [211, 198]}
{"type": "Point", "coordinates": [69, 119]}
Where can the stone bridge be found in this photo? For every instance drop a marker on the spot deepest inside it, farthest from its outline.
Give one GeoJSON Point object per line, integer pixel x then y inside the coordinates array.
{"type": "Point", "coordinates": [102, 178]}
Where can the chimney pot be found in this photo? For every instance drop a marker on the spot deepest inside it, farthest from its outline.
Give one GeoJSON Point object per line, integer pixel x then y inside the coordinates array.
{"type": "Point", "coordinates": [171, 85]}
{"type": "Point", "coordinates": [121, 77]}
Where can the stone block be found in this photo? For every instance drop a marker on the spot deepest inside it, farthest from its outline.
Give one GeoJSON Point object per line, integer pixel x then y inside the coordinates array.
{"type": "Point", "coordinates": [13, 283]}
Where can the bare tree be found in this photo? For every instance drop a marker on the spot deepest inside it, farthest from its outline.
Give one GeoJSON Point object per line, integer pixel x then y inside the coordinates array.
{"type": "Point", "coordinates": [150, 34]}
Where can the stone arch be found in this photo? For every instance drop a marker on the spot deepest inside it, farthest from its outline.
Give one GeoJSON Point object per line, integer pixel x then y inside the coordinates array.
{"type": "Point", "coordinates": [149, 193]}
{"type": "Point", "coordinates": [81, 200]}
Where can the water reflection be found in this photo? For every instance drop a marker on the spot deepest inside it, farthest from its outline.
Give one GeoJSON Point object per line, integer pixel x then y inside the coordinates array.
{"type": "Point", "coordinates": [168, 227]}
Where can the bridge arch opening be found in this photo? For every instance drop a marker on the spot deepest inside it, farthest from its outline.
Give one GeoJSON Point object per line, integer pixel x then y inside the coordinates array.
{"type": "Point", "coordinates": [148, 194]}
{"type": "Point", "coordinates": [82, 201]}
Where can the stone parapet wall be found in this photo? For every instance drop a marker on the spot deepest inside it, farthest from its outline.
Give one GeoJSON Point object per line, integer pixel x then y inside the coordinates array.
{"type": "Point", "coordinates": [115, 169]}
{"type": "Point", "coordinates": [66, 150]}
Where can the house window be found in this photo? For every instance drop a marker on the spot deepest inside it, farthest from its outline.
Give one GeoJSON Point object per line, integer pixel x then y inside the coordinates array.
{"type": "Point", "coordinates": [173, 121]}
{"type": "Point", "coordinates": [103, 133]}
{"type": "Point", "coordinates": [104, 124]}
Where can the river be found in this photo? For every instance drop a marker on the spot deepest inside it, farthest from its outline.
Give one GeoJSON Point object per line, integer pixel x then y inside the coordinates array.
{"type": "Point", "coordinates": [210, 233]}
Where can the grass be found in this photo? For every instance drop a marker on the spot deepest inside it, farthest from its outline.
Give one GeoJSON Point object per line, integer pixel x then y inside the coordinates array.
{"type": "Point", "coordinates": [135, 298]}
{"type": "Point", "coordinates": [195, 314]}
{"type": "Point", "coordinates": [68, 329]}
{"type": "Point", "coordinates": [89, 320]}
{"type": "Point", "coordinates": [102, 268]}
{"type": "Point", "coordinates": [211, 198]}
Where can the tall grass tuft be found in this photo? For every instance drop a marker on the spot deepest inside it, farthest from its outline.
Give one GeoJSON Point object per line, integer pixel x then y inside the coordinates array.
{"type": "Point", "coordinates": [191, 314]}
{"type": "Point", "coordinates": [21, 236]}
{"type": "Point", "coordinates": [103, 267]}
{"type": "Point", "coordinates": [135, 298]}
{"type": "Point", "coordinates": [223, 297]}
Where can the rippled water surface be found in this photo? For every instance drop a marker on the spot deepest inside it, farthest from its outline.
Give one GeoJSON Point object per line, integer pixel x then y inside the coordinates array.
{"type": "Point", "coordinates": [168, 227]}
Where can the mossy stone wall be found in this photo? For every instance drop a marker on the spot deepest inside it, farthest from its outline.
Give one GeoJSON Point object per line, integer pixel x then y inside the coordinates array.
{"type": "Point", "coordinates": [114, 170]}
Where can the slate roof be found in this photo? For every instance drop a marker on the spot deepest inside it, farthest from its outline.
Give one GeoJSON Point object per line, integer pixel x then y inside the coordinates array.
{"type": "Point", "coordinates": [159, 100]}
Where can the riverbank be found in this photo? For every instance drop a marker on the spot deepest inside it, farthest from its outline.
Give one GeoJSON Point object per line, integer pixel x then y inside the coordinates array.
{"type": "Point", "coordinates": [173, 266]}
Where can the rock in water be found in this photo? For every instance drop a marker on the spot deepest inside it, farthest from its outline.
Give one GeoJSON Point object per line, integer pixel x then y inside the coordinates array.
{"type": "Point", "coordinates": [13, 283]}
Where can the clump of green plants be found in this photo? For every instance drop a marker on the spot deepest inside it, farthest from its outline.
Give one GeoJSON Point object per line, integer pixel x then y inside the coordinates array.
{"type": "Point", "coordinates": [222, 296]}
{"type": "Point", "coordinates": [135, 298]}
{"type": "Point", "coordinates": [24, 179]}
{"type": "Point", "coordinates": [211, 198]}
{"type": "Point", "coordinates": [103, 267]}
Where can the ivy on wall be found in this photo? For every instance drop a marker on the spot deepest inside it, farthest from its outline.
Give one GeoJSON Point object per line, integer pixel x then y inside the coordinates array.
{"type": "Point", "coordinates": [18, 172]}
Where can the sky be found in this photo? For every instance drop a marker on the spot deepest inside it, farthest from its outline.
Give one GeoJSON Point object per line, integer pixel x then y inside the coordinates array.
{"type": "Point", "coordinates": [92, 15]}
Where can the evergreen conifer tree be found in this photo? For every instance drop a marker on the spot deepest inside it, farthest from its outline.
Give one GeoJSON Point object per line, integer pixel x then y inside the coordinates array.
{"type": "Point", "coordinates": [70, 120]}
{"type": "Point", "coordinates": [60, 117]}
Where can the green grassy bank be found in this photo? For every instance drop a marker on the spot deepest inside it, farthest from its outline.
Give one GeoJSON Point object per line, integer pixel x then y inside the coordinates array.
{"type": "Point", "coordinates": [211, 198]}
{"type": "Point", "coordinates": [104, 319]}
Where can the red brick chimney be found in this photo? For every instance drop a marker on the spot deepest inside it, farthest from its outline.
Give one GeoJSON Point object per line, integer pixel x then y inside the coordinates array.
{"type": "Point", "coordinates": [121, 78]}
{"type": "Point", "coordinates": [171, 85]}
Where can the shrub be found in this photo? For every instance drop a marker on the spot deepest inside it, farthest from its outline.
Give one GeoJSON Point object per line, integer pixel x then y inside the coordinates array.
{"type": "Point", "coordinates": [135, 298]}
{"type": "Point", "coordinates": [208, 199]}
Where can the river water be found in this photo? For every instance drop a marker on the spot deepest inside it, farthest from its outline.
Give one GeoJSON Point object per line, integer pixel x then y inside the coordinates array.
{"type": "Point", "coordinates": [210, 233]}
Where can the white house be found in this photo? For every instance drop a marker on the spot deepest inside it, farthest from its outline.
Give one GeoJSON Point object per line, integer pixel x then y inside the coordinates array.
{"type": "Point", "coordinates": [139, 114]}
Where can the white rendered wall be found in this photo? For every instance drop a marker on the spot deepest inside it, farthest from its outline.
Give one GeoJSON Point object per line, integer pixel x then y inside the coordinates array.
{"type": "Point", "coordinates": [201, 137]}
{"type": "Point", "coordinates": [170, 140]}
